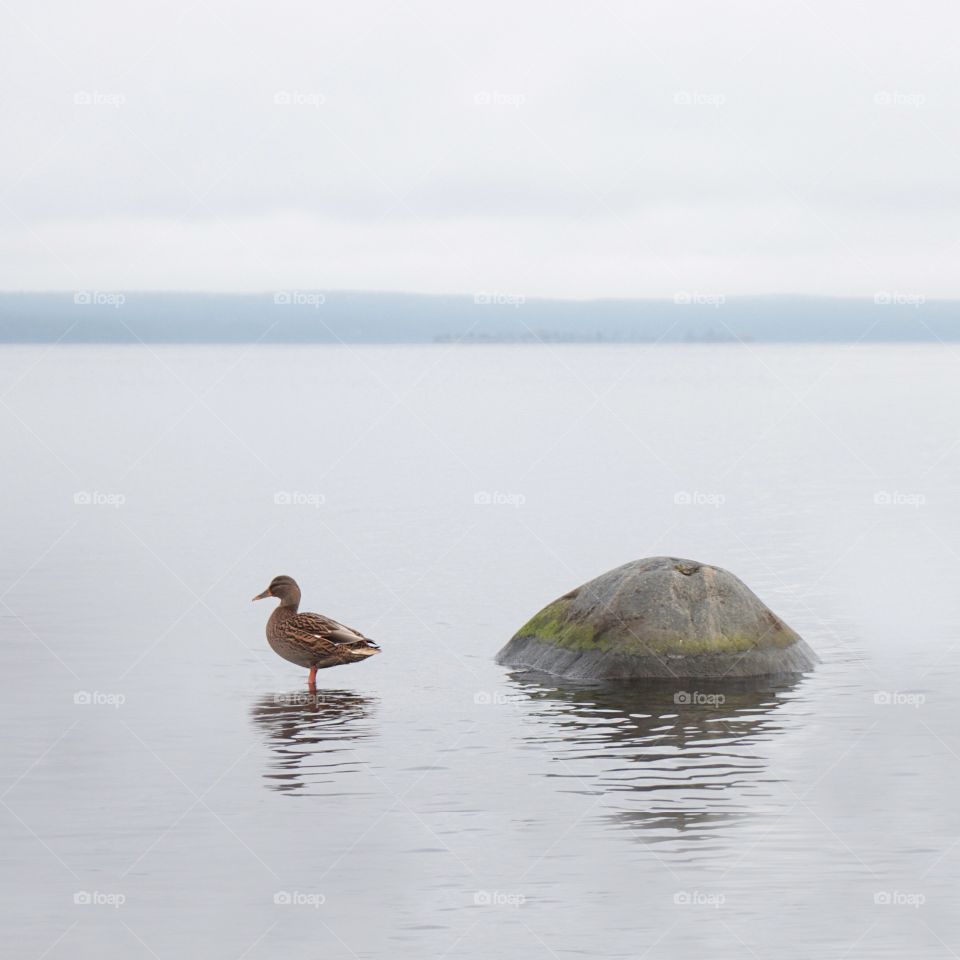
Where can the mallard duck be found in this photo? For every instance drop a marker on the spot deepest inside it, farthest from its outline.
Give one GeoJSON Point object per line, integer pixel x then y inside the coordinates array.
{"type": "Point", "coordinates": [309, 639]}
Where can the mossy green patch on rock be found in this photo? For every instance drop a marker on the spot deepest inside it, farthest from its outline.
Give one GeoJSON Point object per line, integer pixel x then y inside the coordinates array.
{"type": "Point", "coordinates": [553, 625]}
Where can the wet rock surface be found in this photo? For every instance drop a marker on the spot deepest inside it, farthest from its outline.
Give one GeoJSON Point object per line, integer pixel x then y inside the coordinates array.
{"type": "Point", "coordinates": [659, 617]}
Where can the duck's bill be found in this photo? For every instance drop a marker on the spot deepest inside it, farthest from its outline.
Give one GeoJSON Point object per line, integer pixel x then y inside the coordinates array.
{"type": "Point", "coordinates": [261, 596]}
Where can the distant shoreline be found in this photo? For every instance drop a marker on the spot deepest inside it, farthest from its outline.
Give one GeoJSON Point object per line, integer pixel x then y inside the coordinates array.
{"type": "Point", "coordinates": [304, 316]}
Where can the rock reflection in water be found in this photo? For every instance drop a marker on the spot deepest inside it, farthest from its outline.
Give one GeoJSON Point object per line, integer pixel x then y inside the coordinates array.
{"type": "Point", "coordinates": [313, 738]}
{"type": "Point", "coordinates": [674, 758]}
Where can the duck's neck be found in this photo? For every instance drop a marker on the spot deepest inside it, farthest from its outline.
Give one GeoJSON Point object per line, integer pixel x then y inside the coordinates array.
{"type": "Point", "coordinates": [286, 610]}
{"type": "Point", "coordinates": [291, 598]}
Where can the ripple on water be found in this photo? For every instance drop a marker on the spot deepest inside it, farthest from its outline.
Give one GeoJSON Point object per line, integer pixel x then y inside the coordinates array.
{"type": "Point", "coordinates": [313, 739]}
{"type": "Point", "coordinates": [675, 765]}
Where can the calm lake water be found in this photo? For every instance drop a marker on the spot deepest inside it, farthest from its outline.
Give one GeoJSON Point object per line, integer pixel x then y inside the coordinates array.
{"type": "Point", "coordinates": [169, 790]}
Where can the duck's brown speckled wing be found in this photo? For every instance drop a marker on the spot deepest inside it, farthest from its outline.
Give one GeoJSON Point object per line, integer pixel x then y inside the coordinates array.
{"type": "Point", "coordinates": [318, 646]}
{"type": "Point", "coordinates": [326, 629]}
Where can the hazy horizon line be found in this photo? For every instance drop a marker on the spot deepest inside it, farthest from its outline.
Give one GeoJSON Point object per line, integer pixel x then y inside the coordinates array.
{"type": "Point", "coordinates": [492, 291]}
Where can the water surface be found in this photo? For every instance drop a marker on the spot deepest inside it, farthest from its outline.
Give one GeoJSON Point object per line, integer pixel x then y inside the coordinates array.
{"type": "Point", "coordinates": [160, 761]}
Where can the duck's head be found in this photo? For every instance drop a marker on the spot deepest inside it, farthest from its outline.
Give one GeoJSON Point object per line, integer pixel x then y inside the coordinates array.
{"type": "Point", "coordinates": [285, 589]}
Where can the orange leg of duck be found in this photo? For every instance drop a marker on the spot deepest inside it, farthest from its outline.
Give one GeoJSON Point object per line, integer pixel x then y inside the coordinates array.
{"type": "Point", "coordinates": [312, 680]}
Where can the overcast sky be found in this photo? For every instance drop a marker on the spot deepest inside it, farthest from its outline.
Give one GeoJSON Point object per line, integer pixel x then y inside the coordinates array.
{"type": "Point", "coordinates": [545, 148]}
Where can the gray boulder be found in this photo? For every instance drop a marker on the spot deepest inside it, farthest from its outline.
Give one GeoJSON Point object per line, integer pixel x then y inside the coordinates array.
{"type": "Point", "coordinates": [659, 617]}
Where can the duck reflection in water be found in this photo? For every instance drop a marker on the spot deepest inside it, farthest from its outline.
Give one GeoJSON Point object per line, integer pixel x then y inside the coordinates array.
{"type": "Point", "coordinates": [312, 736]}
{"type": "Point", "coordinates": [672, 757]}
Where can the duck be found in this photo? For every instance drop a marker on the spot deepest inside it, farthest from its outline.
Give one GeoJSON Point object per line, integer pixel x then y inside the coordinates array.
{"type": "Point", "coordinates": [311, 639]}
